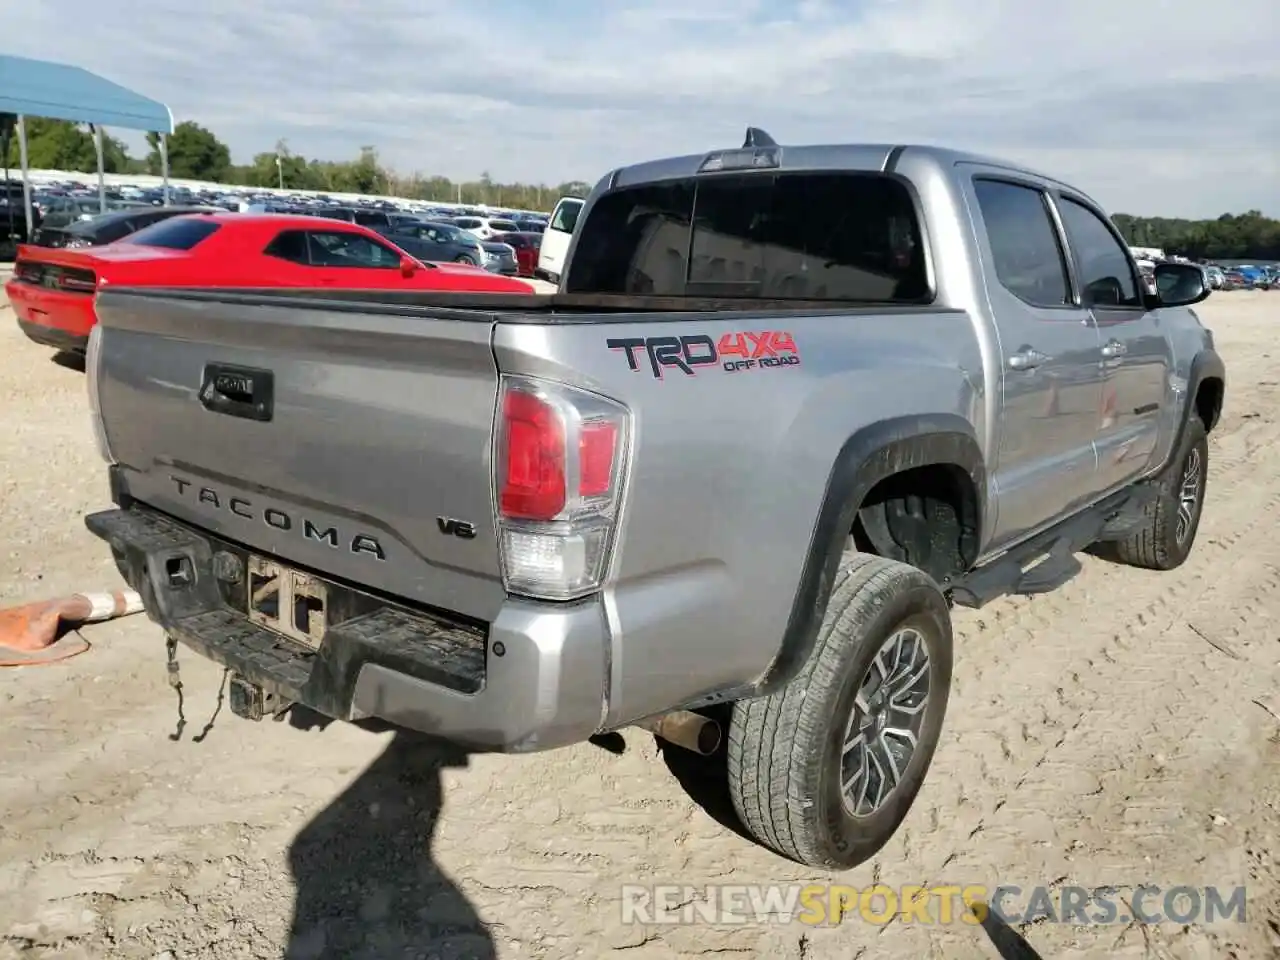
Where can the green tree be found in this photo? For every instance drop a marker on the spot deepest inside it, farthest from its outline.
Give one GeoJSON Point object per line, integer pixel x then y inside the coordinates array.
{"type": "Point", "coordinates": [194, 154]}
{"type": "Point", "coordinates": [62, 145]}
{"type": "Point", "coordinates": [1230, 237]}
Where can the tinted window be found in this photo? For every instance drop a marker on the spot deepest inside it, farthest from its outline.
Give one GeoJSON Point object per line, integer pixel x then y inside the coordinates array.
{"type": "Point", "coordinates": [1106, 272]}
{"type": "Point", "coordinates": [370, 219]}
{"type": "Point", "coordinates": [111, 232]}
{"type": "Point", "coordinates": [789, 236]}
{"type": "Point", "coordinates": [289, 245]}
{"type": "Point", "coordinates": [566, 216]}
{"type": "Point", "coordinates": [178, 233]}
{"type": "Point", "coordinates": [350, 250]}
{"type": "Point", "coordinates": [1025, 251]}
{"type": "Point", "coordinates": [503, 226]}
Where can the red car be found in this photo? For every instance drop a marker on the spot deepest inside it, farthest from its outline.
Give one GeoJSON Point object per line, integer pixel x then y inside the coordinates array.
{"type": "Point", "coordinates": [526, 244]}
{"type": "Point", "coordinates": [52, 290]}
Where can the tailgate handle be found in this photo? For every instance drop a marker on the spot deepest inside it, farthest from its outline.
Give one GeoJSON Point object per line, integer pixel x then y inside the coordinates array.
{"type": "Point", "coordinates": [238, 391]}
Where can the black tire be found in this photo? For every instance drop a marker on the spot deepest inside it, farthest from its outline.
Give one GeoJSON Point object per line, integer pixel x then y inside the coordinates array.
{"type": "Point", "coordinates": [463, 258]}
{"type": "Point", "coordinates": [1159, 544]}
{"type": "Point", "coordinates": [786, 750]}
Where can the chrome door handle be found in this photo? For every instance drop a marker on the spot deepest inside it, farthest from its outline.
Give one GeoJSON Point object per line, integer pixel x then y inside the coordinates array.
{"type": "Point", "coordinates": [1027, 359]}
{"type": "Point", "coordinates": [1113, 349]}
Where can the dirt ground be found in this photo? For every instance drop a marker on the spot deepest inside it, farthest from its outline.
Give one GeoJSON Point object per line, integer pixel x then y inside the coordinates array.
{"type": "Point", "coordinates": [1125, 730]}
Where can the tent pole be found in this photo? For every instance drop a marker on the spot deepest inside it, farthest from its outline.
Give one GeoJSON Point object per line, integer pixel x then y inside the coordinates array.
{"type": "Point", "coordinates": [164, 164]}
{"type": "Point", "coordinates": [26, 181]}
{"type": "Point", "coordinates": [102, 180]}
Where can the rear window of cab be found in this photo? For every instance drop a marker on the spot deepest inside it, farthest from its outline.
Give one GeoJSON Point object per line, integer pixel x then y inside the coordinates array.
{"type": "Point", "coordinates": [179, 233]}
{"type": "Point", "coordinates": [850, 237]}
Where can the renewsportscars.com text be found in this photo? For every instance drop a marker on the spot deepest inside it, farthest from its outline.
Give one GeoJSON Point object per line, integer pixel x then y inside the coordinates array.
{"type": "Point", "coordinates": [825, 905]}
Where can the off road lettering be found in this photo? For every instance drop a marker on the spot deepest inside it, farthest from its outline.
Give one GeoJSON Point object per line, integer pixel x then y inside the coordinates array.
{"type": "Point", "coordinates": [733, 353]}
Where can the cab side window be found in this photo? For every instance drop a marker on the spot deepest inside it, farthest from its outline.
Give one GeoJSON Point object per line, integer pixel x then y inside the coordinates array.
{"type": "Point", "coordinates": [1027, 256]}
{"type": "Point", "coordinates": [566, 216]}
{"type": "Point", "coordinates": [1106, 272]}
{"type": "Point", "coordinates": [350, 250]}
{"type": "Point", "coordinates": [289, 245]}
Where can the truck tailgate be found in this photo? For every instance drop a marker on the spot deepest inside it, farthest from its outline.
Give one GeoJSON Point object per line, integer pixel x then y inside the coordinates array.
{"type": "Point", "coordinates": [355, 445]}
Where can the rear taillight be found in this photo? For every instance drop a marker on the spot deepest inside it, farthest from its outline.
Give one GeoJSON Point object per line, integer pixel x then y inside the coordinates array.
{"type": "Point", "coordinates": [559, 463]}
{"type": "Point", "coordinates": [28, 272]}
{"type": "Point", "coordinates": [78, 281]}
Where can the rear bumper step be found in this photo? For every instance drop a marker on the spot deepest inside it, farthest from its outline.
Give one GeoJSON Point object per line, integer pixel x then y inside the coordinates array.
{"type": "Point", "coordinates": [377, 659]}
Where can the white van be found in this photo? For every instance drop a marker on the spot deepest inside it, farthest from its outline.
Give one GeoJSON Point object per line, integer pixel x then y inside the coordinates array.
{"type": "Point", "coordinates": [555, 239]}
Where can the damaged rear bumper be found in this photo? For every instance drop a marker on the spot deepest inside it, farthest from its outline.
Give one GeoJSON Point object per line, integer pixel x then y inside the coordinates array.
{"type": "Point", "coordinates": [531, 680]}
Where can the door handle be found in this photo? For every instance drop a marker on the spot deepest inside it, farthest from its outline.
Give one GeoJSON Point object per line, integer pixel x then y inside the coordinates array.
{"type": "Point", "coordinates": [1026, 359]}
{"type": "Point", "coordinates": [1113, 349]}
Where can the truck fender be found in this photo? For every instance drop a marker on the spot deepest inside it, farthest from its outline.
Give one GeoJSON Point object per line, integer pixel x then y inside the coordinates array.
{"type": "Point", "coordinates": [1206, 365]}
{"type": "Point", "coordinates": [872, 454]}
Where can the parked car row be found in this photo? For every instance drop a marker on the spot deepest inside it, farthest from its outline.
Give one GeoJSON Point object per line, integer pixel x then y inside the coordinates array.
{"type": "Point", "coordinates": [1217, 276]}
{"type": "Point", "coordinates": [53, 287]}
{"type": "Point", "coordinates": [60, 206]}
{"type": "Point", "coordinates": [514, 242]}
{"type": "Point", "coordinates": [1245, 277]}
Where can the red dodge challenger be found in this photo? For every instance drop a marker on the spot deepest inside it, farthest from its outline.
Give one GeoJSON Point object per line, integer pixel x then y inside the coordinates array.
{"type": "Point", "coordinates": [52, 290]}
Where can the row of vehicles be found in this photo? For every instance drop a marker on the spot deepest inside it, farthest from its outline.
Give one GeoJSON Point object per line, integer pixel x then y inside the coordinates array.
{"type": "Point", "coordinates": [53, 287]}
{"type": "Point", "coordinates": [1217, 277]}
{"type": "Point", "coordinates": [516, 522]}
{"type": "Point", "coordinates": [69, 215]}
{"type": "Point", "coordinates": [1245, 276]}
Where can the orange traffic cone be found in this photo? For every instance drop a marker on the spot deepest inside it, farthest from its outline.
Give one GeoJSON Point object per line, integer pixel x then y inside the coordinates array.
{"type": "Point", "coordinates": [41, 632]}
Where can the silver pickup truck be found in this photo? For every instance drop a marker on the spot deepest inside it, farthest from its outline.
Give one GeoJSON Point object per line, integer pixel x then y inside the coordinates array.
{"type": "Point", "coordinates": [789, 404]}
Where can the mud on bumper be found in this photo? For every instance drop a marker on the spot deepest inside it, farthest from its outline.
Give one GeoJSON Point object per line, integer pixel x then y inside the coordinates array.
{"type": "Point", "coordinates": [531, 680]}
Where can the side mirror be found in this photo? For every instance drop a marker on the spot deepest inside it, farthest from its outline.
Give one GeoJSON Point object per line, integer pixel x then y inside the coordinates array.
{"type": "Point", "coordinates": [408, 267]}
{"type": "Point", "coordinates": [1179, 285]}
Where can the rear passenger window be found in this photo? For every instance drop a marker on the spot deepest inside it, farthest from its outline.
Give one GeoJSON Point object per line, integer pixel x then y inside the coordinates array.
{"type": "Point", "coordinates": [1106, 272]}
{"type": "Point", "coordinates": [178, 233]}
{"type": "Point", "coordinates": [289, 245]}
{"type": "Point", "coordinates": [1026, 253]}
{"type": "Point", "coordinates": [790, 236]}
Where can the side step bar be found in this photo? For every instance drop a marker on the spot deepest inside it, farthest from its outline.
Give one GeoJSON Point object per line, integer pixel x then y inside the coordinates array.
{"type": "Point", "coordinates": [1046, 562]}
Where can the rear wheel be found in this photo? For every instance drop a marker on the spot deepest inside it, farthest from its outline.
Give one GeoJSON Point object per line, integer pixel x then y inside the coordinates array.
{"type": "Point", "coordinates": [824, 770]}
{"type": "Point", "coordinates": [463, 258]}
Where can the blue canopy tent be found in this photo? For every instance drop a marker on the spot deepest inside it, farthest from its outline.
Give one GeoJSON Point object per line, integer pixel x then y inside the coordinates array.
{"type": "Point", "coordinates": [39, 88]}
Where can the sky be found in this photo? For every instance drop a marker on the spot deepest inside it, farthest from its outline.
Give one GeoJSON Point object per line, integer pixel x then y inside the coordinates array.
{"type": "Point", "coordinates": [1159, 108]}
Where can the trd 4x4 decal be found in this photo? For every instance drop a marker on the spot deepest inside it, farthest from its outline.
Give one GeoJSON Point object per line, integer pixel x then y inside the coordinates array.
{"type": "Point", "coordinates": [735, 352]}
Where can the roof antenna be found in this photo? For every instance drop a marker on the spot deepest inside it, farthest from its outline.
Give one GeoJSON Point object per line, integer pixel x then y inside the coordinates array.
{"type": "Point", "coordinates": [758, 138]}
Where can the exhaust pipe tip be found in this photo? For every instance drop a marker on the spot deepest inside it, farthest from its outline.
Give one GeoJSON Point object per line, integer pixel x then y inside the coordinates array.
{"type": "Point", "coordinates": [686, 729]}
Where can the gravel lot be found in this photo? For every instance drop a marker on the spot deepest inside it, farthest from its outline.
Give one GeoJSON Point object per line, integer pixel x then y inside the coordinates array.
{"type": "Point", "coordinates": [1121, 731]}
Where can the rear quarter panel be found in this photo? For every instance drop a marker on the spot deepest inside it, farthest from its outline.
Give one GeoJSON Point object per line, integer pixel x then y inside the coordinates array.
{"type": "Point", "coordinates": [729, 470]}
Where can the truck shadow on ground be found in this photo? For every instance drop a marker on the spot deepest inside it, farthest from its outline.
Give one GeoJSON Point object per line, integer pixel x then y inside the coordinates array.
{"type": "Point", "coordinates": [367, 884]}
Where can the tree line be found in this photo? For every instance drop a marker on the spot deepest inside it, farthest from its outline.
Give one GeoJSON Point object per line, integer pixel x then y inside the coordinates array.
{"type": "Point", "coordinates": [195, 153]}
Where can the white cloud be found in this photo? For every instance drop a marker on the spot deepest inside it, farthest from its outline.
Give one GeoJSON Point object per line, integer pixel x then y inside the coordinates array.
{"type": "Point", "coordinates": [1166, 108]}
